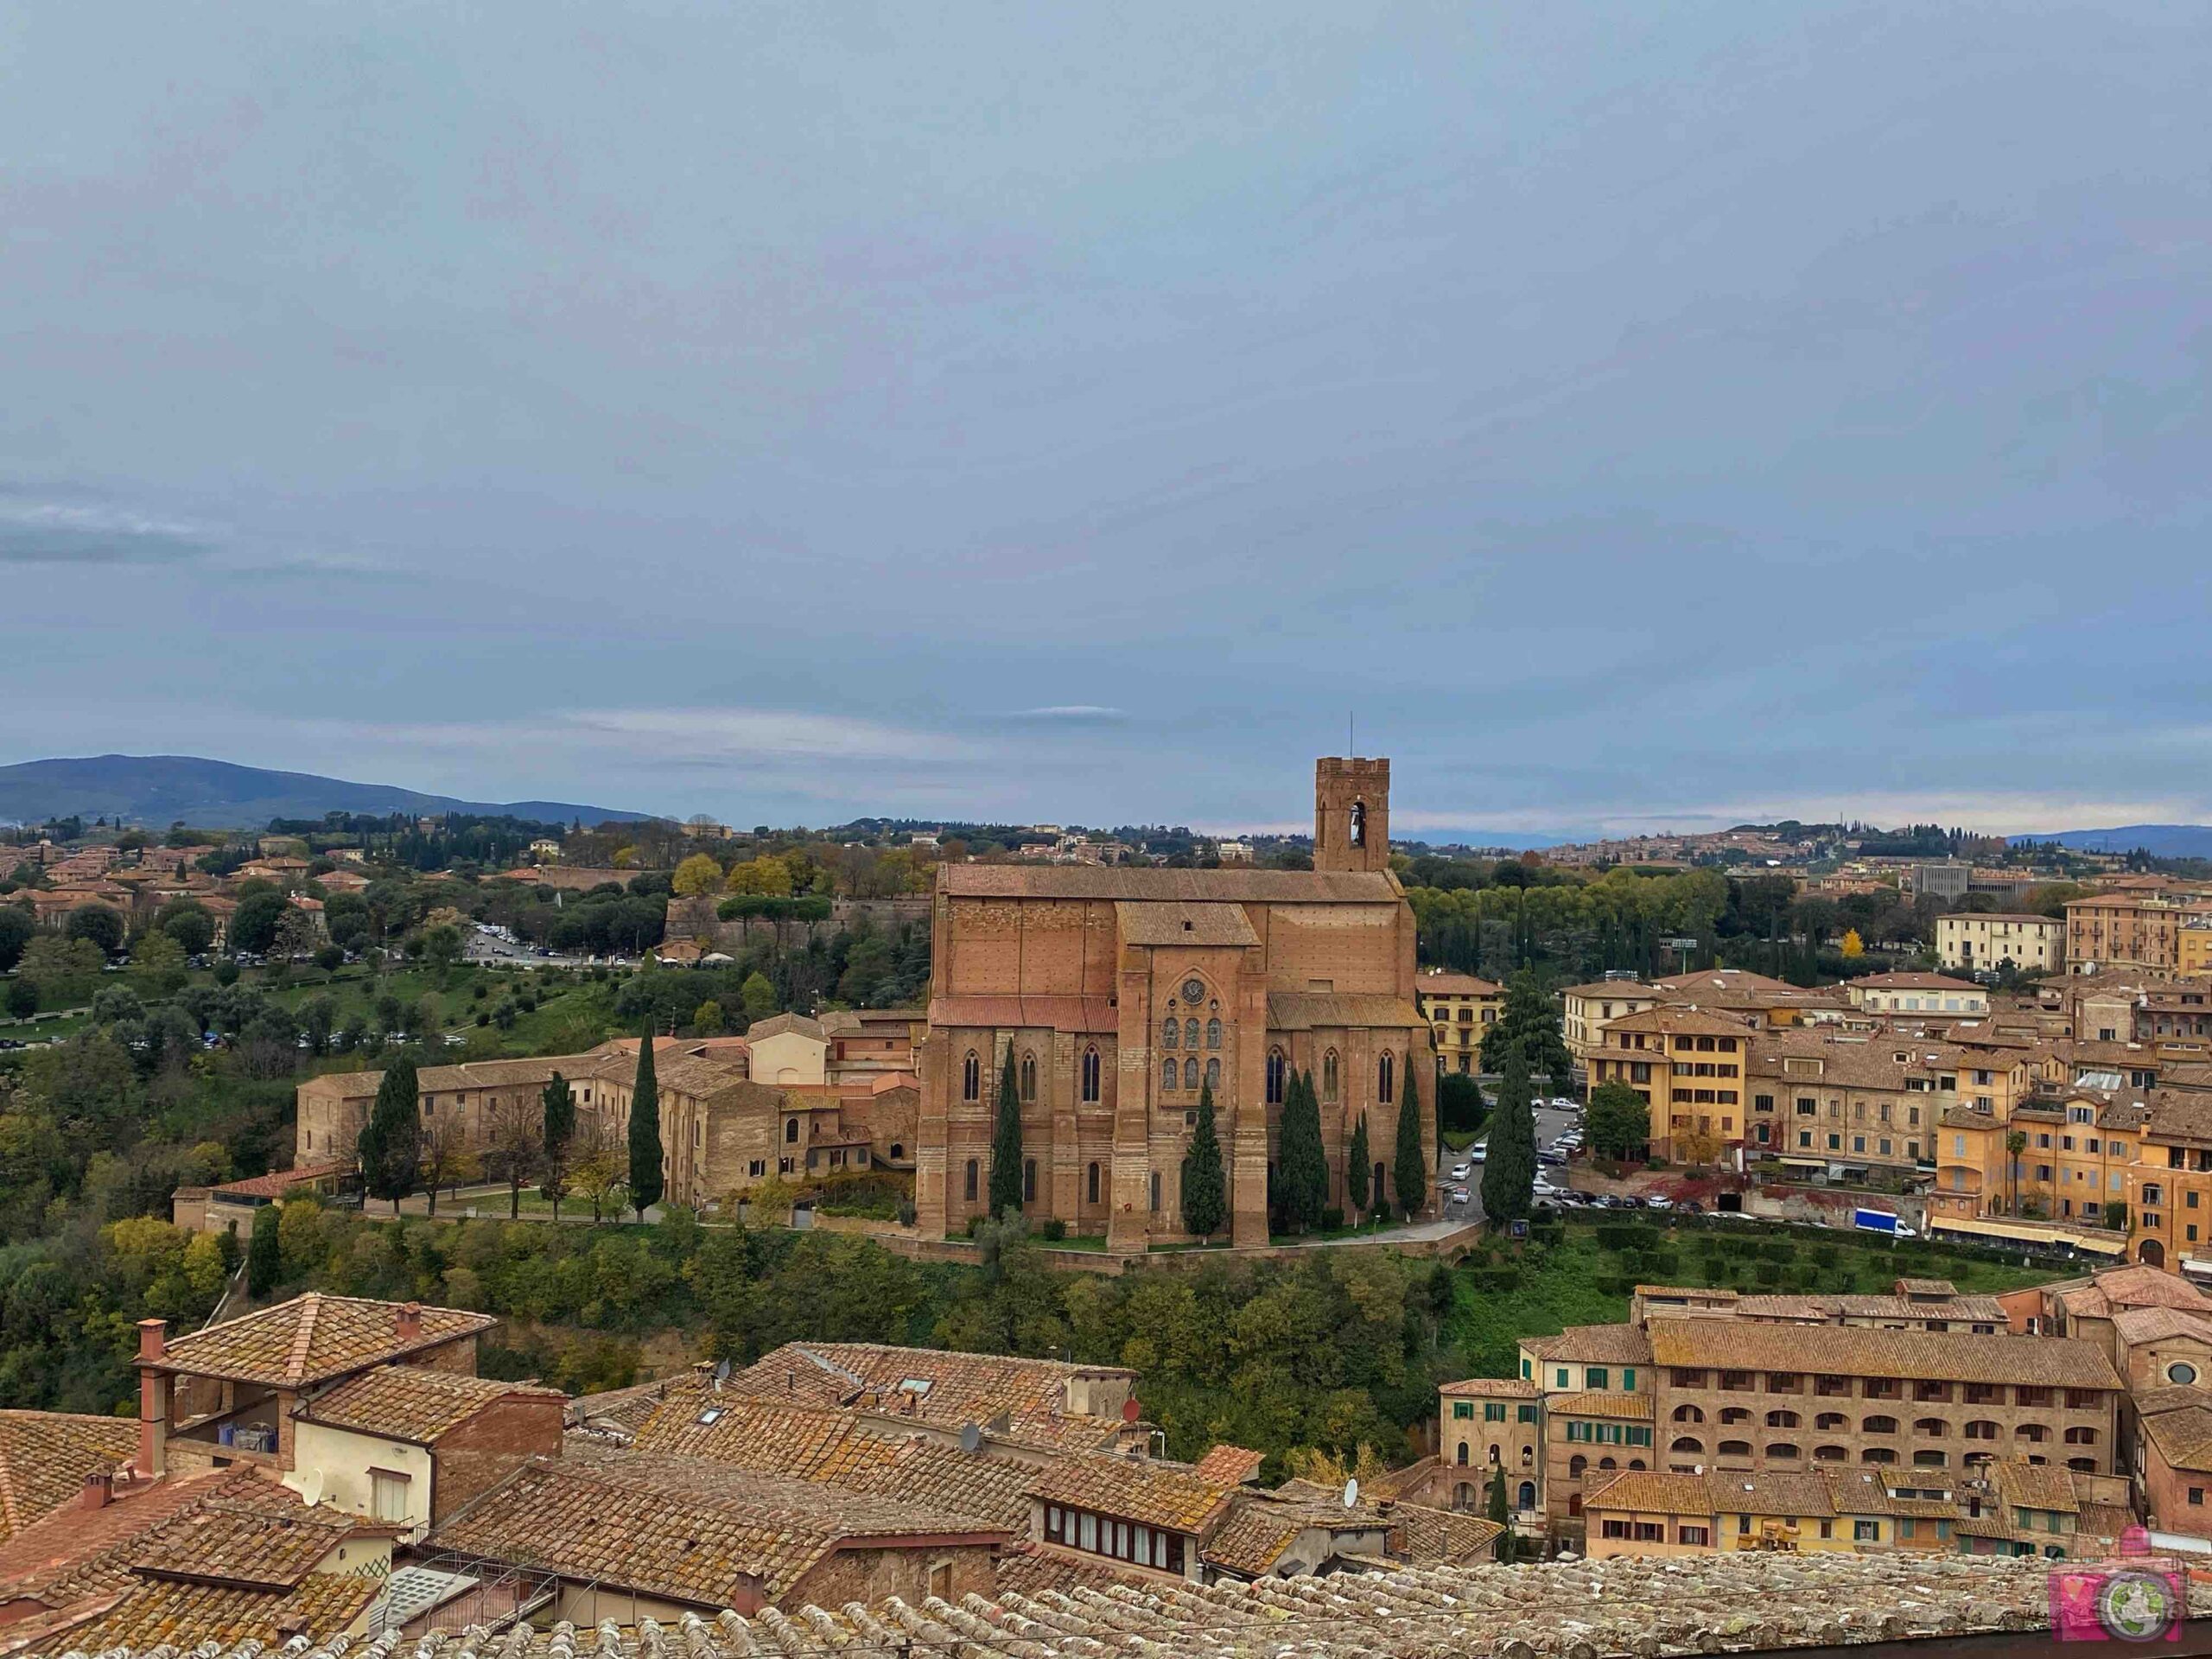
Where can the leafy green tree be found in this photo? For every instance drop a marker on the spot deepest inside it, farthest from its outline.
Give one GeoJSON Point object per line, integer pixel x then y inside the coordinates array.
{"type": "Point", "coordinates": [16, 927]}
{"type": "Point", "coordinates": [559, 1101]}
{"type": "Point", "coordinates": [1006, 1144]}
{"type": "Point", "coordinates": [101, 923]}
{"type": "Point", "coordinates": [646, 1177]}
{"type": "Point", "coordinates": [759, 997]}
{"type": "Point", "coordinates": [1509, 1169]}
{"type": "Point", "coordinates": [1409, 1167]}
{"type": "Point", "coordinates": [1530, 1024]}
{"type": "Point", "coordinates": [263, 1256]}
{"type": "Point", "coordinates": [1301, 1166]}
{"type": "Point", "coordinates": [390, 1144]}
{"type": "Point", "coordinates": [707, 1019]}
{"type": "Point", "coordinates": [1205, 1199]}
{"type": "Point", "coordinates": [1620, 1122]}
{"type": "Point", "coordinates": [1459, 1104]}
{"type": "Point", "coordinates": [1357, 1176]}
{"type": "Point", "coordinates": [22, 998]}
{"type": "Point", "coordinates": [254, 923]}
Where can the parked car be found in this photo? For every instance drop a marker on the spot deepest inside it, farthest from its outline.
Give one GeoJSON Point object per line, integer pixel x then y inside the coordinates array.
{"type": "Point", "coordinates": [1656, 1202]}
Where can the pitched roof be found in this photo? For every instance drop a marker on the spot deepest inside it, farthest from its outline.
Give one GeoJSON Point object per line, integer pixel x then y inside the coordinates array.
{"type": "Point", "coordinates": [1456, 985]}
{"type": "Point", "coordinates": [1081, 1014]}
{"type": "Point", "coordinates": [413, 1402]}
{"type": "Point", "coordinates": [778, 1025]}
{"type": "Point", "coordinates": [278, 1182]}
{"type": "Point", "coordinates": [1626, 1407]}
{"type": "Point", "coordinates": [1842, 1351]}
{"type": "Point", "coordinates": [1165, 1495]}
{"type": "Point", "coordinates": [1229, 1466]}
{"type": "Point", "coordinates": [1182, 922]}
{"type": "Point", "coordinates": [1905, 981]}
{"type": "Point", "coordinates": [1926, 1287]}
{"type": "Point", "coordinates": [2137, 1325]}
{"type": "Point", "coordinates": [1679, 1018]}
{"type": "Point", "coordinates": [1603, 1344]}
{"type": "Point", "coordinates": [1420, 1534]}
{"type": "Point", "coordinates": [1771, 1491]}
{"type": "Point", "coordinates": [1119, 883]}
{"type": "Point", "coordinates": [1492, 1387]}
{"type": "Point", "coordinates": [2183, 1436]}
{"type": "Point", "coordinates": [2036, 1486]}
{"type": "Point", "coordinates": [1736, 1600]}
{"type": "Point", "coordinates": [1322, 1010]}
{"type": "Point", "coordinates": [1252, 1540]}
{"type": "Point", "coordinates": [1028, 1569]}
{"type": "Point", "coordinates": [146, 1614]}
{"type": "Point", "coordinates": [680, 1528]}
{"type": "Point", "coordinates": [930, 1386]}
{"type": "Point", "coordinates": [1653, 1490]}
{"type": "Point", "coordinates": [311, 1338]}
{"type": "Point", "coordinates": [45, 1456]}
{"type": "Point", "coordinates": [1712, 981]}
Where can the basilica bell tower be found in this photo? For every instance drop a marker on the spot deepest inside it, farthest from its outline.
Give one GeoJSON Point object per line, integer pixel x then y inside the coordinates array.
{"type": "Point", "coordinates": [1351, 814]}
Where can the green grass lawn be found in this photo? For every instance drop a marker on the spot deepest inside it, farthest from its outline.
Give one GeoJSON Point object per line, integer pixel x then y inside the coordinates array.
{"type": "Point", "coordinates": [1541, 1289]}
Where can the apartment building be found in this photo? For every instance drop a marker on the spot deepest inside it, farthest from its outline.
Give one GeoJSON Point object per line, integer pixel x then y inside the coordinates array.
{"type": "Point", "coordinates": [1972, 941]}
{"type": "Point", "coordinates": [1818, 1097]}
{"type": "Point", "coordinates": [1586, 1010]}
{"type": "Point", "coordinates": [1459, 1009]}
{"type": "Point", "coordinates": [1925, 995]}
{"type": "Point", "coordinates": [2133, 931]}
{"type": "Point", "coordinates": [1688, 1065]}
{"type": "Point", "coordinates": [2067, 1160]}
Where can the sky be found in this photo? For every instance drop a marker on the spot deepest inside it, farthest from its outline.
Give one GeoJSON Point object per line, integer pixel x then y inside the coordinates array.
{"type": "Point", "coordinates": [1641, 417]}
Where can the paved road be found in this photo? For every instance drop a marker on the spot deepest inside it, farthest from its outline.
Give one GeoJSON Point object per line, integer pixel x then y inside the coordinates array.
{"type": "Point", "coordinates": [1550, 1125]}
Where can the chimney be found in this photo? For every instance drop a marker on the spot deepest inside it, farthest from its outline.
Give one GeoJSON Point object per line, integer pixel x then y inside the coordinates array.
{"type": "Point", "coordinates": [153, 1338]}
{"type": "Point", "coordinates": [408, 1321]}
{"type": "Point", "coordinates": [99, 1490]}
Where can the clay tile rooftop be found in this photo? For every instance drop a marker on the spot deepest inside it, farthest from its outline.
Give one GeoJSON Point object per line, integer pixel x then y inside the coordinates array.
{"type": "Point", "coordinates": [313, 1338]}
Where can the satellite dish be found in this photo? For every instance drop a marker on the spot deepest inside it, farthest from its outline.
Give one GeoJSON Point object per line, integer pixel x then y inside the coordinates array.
{"type": "Point", "coordinates": [971, 1437]}
{"type": "Point", "coordinates": [722, 1375]}
{"type": "Point", "coordinates": [1351, 1492]}
{"type": "Point", "coordinates": [308, 1482]}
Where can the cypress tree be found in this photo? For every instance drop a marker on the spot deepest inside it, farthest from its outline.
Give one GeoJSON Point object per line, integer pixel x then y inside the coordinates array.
{"type": "Point", "coordinates": [560, 1104]}
{"type": "Point", "coordinates": [1355, 1163]}
{"type": "Point", "coordinates": [1409, 1169]}
{"type": "Point", "coordinates": [1206, 1204]}
{"type": "Point", "coordinates": [1006, 1144]}
{"type": "Point", "coordinates": [264, 1256]}
{"type": "Point", "coordinates": [1509, 1171]}
{"type": "Point", "coordinates": [390, 1144]}
{"type": "Point", "coordinates": [1303, 1182]}
{"type": "Point", "coordinates": [646, 1181]}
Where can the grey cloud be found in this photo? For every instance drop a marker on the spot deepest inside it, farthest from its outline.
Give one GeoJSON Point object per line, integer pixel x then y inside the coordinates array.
{"type": "Point", "coordinates": [54, 532]}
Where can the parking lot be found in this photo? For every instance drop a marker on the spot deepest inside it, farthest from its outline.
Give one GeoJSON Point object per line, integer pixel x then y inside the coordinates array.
{"type": "Point", "coordinates": [1552, 1122]}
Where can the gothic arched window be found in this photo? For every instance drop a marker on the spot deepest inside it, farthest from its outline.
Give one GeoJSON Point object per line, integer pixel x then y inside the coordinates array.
{"type": "Point", "coordinates": [971, 1077]}
{"type": "Point", "coordinates": [1029, 1076]}
{"type": "Point", "coordinates": [1167, 1074]}
{"type": "Point", "coordinates": [1090, 1184]}
{"type": "Point", "coordinates": [1329, 1075]}
{"type": "Point", "coordinates": [1091, 1074]}
{"type": "Point", "coordinates": [1190, 1033]}
{"type": "Point", "coordinates": [1213, 1074]}
{"type": "Point", "coordinates": [1190, 1073]}
{"type": "Point", "coordinates": [1171, 1031]}
{"type": "Point", "coordinates": [1359, 824]}
{"type": "Point", "coordinates": [1213, 1033]}
{"type": "Point", "coordinates": [1386, 1076]}
{"type": "Point", "coordinates": [1278, 1069]}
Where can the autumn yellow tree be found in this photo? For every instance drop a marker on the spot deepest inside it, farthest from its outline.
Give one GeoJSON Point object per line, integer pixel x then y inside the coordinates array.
{"type": "Point", "coordinates": [767, 875]}
{"type": "Point", "coordinates": [695, 875]}
{"type": "Point", "coordinates": [1853, 946]}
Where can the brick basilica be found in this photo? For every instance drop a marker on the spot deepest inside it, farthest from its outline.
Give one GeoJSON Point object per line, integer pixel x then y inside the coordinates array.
{"type": "Point", "coordinates": [1120, 992]}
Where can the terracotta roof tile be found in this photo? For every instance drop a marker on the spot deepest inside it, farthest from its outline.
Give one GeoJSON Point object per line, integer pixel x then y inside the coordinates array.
{"type": "Point", "coordinates": [1229, 1465]}
{"type": "Point", "coordinates": [1509, 1387]}
{"type": "Point", "coordinates": [311, 1338]}
{"type": "Point", "coordinates": [176, 1616]}
{"type": "Point", "coordinates": [1422, 1534]}
{"type": "Point", "coordinates": [1653, 1491]}
{"type": "Point", "coordinates": [679, 1527]}
{"type": "Point", "coordinates": [45, 1456]}
{"type": "Point", "coordinates": [930, 1386]}
{"type": "Point", "coordinates": [1182, 922]}
{"type": "Point", "coordinates": [1628, 1407]}
{"type": "Point", "coordinates": [1204, 886]}
{"type": "Point", "coordinates": [277, 1183]}
{"type": "Point", "coordinates": [1172, 1495]}
{"type": "Point", "coordinates": [412, 1402]}
{"type": "Point", "coordinates": [1771, 1491]}
{"type": "Point", "coordinates": [1840, 1350]}
{"type": "Point", "coordinates": [1602, 1344]}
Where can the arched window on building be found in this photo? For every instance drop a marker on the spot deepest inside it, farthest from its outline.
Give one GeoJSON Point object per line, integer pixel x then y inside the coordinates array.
{"type": "Point", "coordinates": [971, 1180]}
{"type": "Point", "coordinates": [1213, 1033]}
{"type": "Point", "coordinates": [1278, 1069]}
{"type": "Point", "coordinates": [1171, 1031]}
{"type": "Point", "coordinates": [1213, 1073]}
{"type": "Point", "coordinates": [971, 1077]}
{"type": "Point", "coordinates": [1190, 1074]}
{"type": "Point", "coordinates": [1090, 1184]}
{"type": "Point", "coordinates": [1386, 1079]}
{"type": "Point", "coordinates": [1029, 1076]}
{"type": "Point", "coordinates": [1090, 1076]}
{"type": "Point", "coordinates": [1168, 1074]}
{"type": "Point", "coordinates": [1329, 1075]}
{"type": "Point", "coordinates": [1190, 1033]}
{"type": "Point", "coordinates": [1525, 1496]}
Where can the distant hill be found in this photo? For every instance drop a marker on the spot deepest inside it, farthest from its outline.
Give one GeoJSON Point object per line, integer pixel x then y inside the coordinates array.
{"type": "Point", "coordinates": [161, 789]}
{"type": "Point", "coordinates": [2159, 839]}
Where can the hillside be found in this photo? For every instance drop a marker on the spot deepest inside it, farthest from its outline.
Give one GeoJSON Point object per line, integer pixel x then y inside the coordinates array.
{"type": "Point", "coordinates": [162, 789]}
{"type": "Point", "coordinates": [2159, 839]}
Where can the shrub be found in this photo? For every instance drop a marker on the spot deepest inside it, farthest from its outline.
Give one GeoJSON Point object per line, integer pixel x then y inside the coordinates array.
{"type": "Point", "coordinates": [1332, 1219]}
{"type": "Point", "coordinates": [1768, 1273]}
{"type": "Point", "coordinates": [1055, 1229]}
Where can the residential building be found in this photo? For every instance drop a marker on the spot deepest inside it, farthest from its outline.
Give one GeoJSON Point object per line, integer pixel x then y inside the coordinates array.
{"type": "Point", "coordinates": [1820, 1098]}
{"type": "Point", "coordinates": [1459, 1009]}
{"type": "Point", "coordinates": [1978, 941]}
{"type": "Point", "coordinates": [1924, 994]}
{"type": "Point", "coordinates": [1758, 1000]}
{"type": "Point", "coordinates": [1689, 1066]}
{"type": "Point", "coordinates": [1586, 1010]}
{"type": "Point", "coordinates": [1122, 993]}
{"type": "Point", "coordinates": [1486, 1424]}
{"type": "Point", "coordinates": [46, 1457]}
{"type": "Point", "coordinates": [2193, 949]}
{"type": "Point", "coordinates": [2131, 931]}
